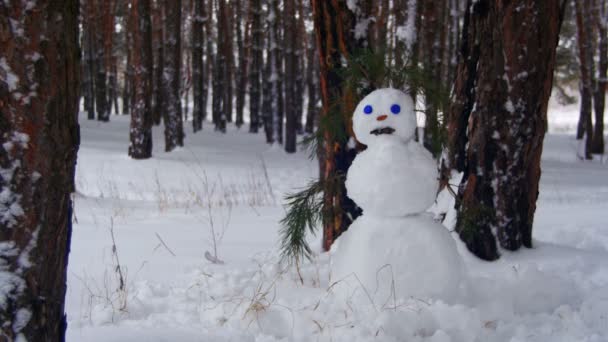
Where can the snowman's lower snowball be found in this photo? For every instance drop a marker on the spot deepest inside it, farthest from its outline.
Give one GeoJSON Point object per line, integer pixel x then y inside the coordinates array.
{"type": "Point", "coordinates": [397, 258]}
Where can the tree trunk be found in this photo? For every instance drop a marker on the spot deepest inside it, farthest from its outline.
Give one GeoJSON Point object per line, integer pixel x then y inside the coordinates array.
{"type": "Point", "coordinates": [88, 59]}
{"type": "Point", "coordinates": [290, 76]}
{"type": "Point", "coordinates": [101, 96]}
{"type": "Point", "coordinates": [599, 94]}
{"type": "Point", "coordinates": [585, 125]}
{"type": "Point", "coordinates": [141, 59]}
{"type": "Point", "coordinates": [273, 121]}
{"type": "Point", "coordinates": [198, 43]}
{"type": "Point", "coordinates": [174, 127]}
{"type": "Point", "coordinates": [497, 124]}
{"type": "Point", "coordinates": [334, 28]}
{"type": "Point", "coordinates": [158, 42]}
{"type": "Point", "coordinates": [243, 58]}
{"type": "Point", "coordinates": [257, 63]}
{"type": "Point", "coordinates": [312, 85]}
{"type": "Point", "coordinates": [39, 138]}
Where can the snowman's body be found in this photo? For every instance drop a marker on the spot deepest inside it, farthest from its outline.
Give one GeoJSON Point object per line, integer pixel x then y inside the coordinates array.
{"type": "Point", "coordinates": [394, 249]}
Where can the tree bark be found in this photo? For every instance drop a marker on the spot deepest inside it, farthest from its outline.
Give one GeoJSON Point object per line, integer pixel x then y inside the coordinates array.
{"type": "Point", "coordinates": [174, 127]}
{"type": "Point", "coordinates": [599, 93]}
{"type": "Point", "coordinates": [158, 45]}
{"type": "Point", "coordinates": [198, 77]}
{"type": "Point", "coordinates": [290, 76]}
{"type": "Point", "coordinates": [498, 119]}
{"type": "Point", "coordinates": [39, 137]}
{"type": "Point", "coordinates": [257, 64]}
{"type": "Point", "coordinates": [585, 125]}
{"type": "Point", "coordinates": [141, 99]}
{"type": "Point", "coordinates": [334, 26]}
{"type": "Point", "coordinates": [243, 42]}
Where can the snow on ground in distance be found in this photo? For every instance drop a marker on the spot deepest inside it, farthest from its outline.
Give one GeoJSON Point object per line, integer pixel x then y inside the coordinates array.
{"type": "Point", "coordinates": [160, 212]}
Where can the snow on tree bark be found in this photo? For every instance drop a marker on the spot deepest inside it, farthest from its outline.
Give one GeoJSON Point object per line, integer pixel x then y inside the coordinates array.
{"type": "Point", "coordinates": [497, 120]}
{"type": "Point", "coordinates": [39, 136]}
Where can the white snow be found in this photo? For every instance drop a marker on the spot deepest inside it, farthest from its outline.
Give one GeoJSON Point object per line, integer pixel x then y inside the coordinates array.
{"type": "Point", "coordinates": [557, 291]}
{"type": "Point", "coordinates": [387, 253]}
{"type": "Point", "coordinates": [393, 179]}
{"type": "Point", "coordinates": [8, 77]}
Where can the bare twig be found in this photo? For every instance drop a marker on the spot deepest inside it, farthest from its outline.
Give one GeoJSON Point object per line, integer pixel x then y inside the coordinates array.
{"type": "Point", "coordinates": [164, 244]}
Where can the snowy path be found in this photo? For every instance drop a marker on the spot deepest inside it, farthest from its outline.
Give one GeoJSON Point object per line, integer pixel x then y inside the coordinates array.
{"type": "Point", "coordinates": [158, 211]}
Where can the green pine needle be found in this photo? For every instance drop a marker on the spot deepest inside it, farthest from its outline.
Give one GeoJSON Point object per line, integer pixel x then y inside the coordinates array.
{"type": "Point", "coordinates": [303, 214]}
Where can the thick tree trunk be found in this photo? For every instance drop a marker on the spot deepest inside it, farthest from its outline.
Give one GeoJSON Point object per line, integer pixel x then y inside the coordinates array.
{"type": "Point", "coordinates": [39, 137]}
{"type": "Point", "coordinates": [174, 127]}
{"type": "Point", "coordinates": [334, 28]}
{"type": "Point", "coordinates": [497, 124]}
{"type": "Point", "coordinates": [141, 99]}
{"type": "Point", "coordinates": [198, 43]}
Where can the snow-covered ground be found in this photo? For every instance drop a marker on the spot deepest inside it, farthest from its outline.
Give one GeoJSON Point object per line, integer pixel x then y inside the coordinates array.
{"type": "Point", "coordinates": [161, 214]}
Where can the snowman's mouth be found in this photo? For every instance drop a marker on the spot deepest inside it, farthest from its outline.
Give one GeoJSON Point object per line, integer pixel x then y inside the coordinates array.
{"type": "Point", "coordinates": [383, 130]}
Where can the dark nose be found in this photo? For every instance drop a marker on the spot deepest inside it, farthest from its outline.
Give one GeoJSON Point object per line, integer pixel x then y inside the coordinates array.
{"type": "Point", "coordinates": [382, 117]}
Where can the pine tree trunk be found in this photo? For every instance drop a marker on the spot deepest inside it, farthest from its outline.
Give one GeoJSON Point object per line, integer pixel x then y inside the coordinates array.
{"type": "Point", "coordinates": [141, 59]}
{"type": "Point", "coordinates": [334, 28]}
{"type": "Point", "coordinates": [290, 76]}
{"type": "Point", "coordinates": [89, 60]}
{"type": "Point", "coordinates": [228, 60]}
{"type": "Point", "coordinates": [311, 84]}
{"type": "Point", "coordinates": [242, 39]}
{"type": "Point", "coordinates": [39, 138]}
{"type": "Point", "coordinates": [158, 45]}
{"type": "Point", "coordinates": [257, 63]}
{"type": "Point", "coordinates": [267, 96]}
{"type": "Point", "coordinates": [585, 125]}
{"type": "Point", "coordinates": [101, 96]}
{"type": "Point", "coordinates": [497, 124]}
{"type": "Point", "coordinates": [274, 95]}
{"type": "Point", "coordinates": [174, 128]}
{"type": "Point", "coordinates": [198, 44]}
{"type": "Point", "coordinates": [599, 94]}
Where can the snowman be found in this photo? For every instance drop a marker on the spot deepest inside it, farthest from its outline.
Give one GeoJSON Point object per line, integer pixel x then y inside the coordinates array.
{"type": "Point", "coordinates": [394, 249]}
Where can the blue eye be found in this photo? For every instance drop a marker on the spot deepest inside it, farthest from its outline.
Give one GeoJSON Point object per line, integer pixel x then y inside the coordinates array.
{"type": "Point", "coordinates": [368, 109]}
{"type": "Point", "coordinates": [395, 109]}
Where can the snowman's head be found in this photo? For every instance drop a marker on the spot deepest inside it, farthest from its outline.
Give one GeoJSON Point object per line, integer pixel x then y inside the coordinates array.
{"type": "Point", "coordinates": [384, 113]}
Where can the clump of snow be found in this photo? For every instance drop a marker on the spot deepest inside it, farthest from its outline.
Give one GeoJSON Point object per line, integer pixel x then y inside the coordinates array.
{"type": "Point", "coordinates": [8, 76]}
